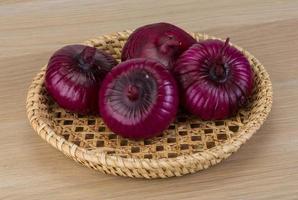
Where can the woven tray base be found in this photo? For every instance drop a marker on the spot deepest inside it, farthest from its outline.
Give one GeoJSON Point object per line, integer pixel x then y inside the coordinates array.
{"type": "Point", "coordinates": [187, 146]}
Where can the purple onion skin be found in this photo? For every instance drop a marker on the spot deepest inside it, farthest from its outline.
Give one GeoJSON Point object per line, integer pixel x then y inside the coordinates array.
{"type": "Point", "coordinates": [215, 79]}
{"type": "Point", "coordinates": [160, 41]}
{"type": "Point", "coordinates": [138, 99]}
{"type": "Point", "coordinates": [73, 77]}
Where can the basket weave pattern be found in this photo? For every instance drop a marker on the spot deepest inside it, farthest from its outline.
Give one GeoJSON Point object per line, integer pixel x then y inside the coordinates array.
{"type": "Point", "coordinates": [187, 146]}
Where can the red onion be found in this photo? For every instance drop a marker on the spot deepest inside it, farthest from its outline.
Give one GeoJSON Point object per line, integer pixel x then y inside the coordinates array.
{"type": "Point", "coordinates": [215, 79]}
{"type": "Point", "coordinates": [74, 74]}
{"type": "Point", "coordinates": [161, 41]}
{"type": "Point", "coordinates": [138, 98]}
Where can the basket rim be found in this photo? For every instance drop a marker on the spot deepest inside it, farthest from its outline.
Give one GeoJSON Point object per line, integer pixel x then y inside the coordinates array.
{"type": "Point", "coordinates": [201, 159]}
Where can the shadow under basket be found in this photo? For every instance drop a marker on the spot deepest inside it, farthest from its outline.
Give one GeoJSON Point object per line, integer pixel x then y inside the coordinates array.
{"type": "Point", "coordinates": [187, 146]}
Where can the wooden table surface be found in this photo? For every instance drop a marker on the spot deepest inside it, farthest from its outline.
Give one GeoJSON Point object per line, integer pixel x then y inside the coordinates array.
{"type": "Point", "coordinates": [266, 167]}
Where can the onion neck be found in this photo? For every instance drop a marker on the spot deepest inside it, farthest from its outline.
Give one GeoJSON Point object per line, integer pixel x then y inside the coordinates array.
{"type": "Point", "coordinates": [132, 92]}
{"type": "Point", "coordinates": [225, 46]}
{"type": "Point", "coordinates": [86, 58]}
{"type": "Point", "coordinates": [219, 70]}
{"type": "Point", "coordinates": [169, 46]}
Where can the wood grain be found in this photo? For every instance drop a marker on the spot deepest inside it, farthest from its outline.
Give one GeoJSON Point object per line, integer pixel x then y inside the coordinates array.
{"type": "Point", "coordinates": [265, 168]}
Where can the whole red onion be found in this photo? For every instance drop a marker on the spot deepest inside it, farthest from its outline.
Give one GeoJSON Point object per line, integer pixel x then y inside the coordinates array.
{"type": "Point", "coordinates": [74, 74]}
{"type": "Point", "coordinates": [215, 79]}
{"type": "Point", "coordinates": [161, 41]}
{"type": "Point", "coordinates": [138, 98]}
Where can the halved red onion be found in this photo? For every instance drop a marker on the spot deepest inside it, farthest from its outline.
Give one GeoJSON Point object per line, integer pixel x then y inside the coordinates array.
{"type": "Point", "coordinates": [74, 74]}
{"type": "Point", "coordinates": [215, 79]}
{"type": "Point", "coordinates": [138, 99]}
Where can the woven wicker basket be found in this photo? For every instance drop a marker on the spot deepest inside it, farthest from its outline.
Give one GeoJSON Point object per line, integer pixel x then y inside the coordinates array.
{"type": "Point", "coordinates": [187, 146]}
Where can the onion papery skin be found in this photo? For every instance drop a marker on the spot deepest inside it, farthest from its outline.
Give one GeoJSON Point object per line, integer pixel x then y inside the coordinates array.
{"type": "Point", "coordinates": [138, 99]}
{"type": "Point", "coordinates": [163, 42]}
{"type": "Point", "coordinates": [73, 77]}
{"type": "Point", "coordinates": [215, 79]}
